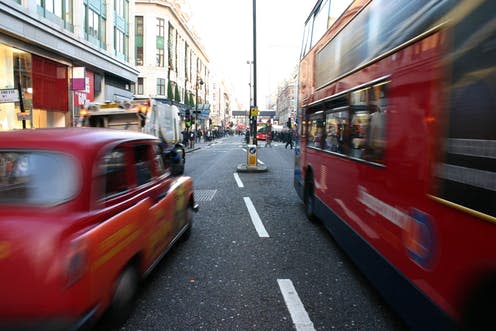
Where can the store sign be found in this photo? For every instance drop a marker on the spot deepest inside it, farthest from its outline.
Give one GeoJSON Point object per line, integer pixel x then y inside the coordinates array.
{"type": "Point", "coordinates": [23, 116]}
{"type": "Point", "coordinates": [78, 81]}
{"type": "Point", "coordinates": [9, 95]}
{"type": "Point", "coordinates": [86, 95]}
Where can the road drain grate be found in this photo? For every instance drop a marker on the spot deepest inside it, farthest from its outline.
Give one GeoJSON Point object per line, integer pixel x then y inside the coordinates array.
{"type": "Point", "coordinates": [204, 195]}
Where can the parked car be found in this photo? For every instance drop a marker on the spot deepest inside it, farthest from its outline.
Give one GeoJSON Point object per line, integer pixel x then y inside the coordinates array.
{"type": "Point", "coordinates": [85, 214]}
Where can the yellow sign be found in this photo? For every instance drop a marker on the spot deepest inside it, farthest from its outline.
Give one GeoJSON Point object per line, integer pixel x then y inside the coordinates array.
{"type": "Point", "coordinates": [252, 156]}
{"type": "Point", "coordinates": [254, 112]}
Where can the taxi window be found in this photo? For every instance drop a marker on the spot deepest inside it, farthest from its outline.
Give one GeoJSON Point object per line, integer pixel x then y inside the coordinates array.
{"type": "Point", "coordinates": [143, 164]}
{"type": "Point", "coordinates": [113, 168]}
{"type": "Point", "coordinates": [37, 178]}
{"type": "Point", "coordinates": [159, 160]}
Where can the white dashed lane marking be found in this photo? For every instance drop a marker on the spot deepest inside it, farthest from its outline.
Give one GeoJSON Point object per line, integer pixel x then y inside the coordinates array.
{"type": "Point", "coordinates": [238, 180]}
{"type": "Point", "coordinates": [299, 315]}
{"type": "Point", "coordinates": [257, 222]}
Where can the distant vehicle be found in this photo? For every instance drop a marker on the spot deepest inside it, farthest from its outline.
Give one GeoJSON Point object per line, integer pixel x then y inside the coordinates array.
{"type": "Point", "coordinates": [85, 214]}
{"type": "Point", "coordinates": [153, 116]}
{"type": "Point", "coordinates": [112, 115]}
{"type": "Point", "coordinates": [396, 150]}
{"type": "Point", "coordinates": [262, 131]}
{"type": "Point", "coordinates": [162, 119]}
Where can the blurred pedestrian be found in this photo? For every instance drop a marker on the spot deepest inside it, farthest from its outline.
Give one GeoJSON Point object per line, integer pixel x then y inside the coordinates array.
{"type": "Point", "coordinates": [268, 136]}
{"type": "Point", "coordinates": [289, 139]}
{"type": "Point", "coordinates": [192, 139]}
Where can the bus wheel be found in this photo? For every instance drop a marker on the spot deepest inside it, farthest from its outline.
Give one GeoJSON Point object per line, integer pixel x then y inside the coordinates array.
{"type": "Point", "coordinates": [309, 200]}
{"type": "Point", "coordinates": [480, 306]}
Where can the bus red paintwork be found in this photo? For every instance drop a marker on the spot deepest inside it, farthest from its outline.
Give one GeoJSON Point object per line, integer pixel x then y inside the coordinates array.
{"type": "Point", "coordinates": [430, 256]}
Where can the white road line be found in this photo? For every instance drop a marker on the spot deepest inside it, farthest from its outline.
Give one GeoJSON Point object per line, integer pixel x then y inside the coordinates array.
{"type": "Point", "coordinates": [238, 180]}
{"type": "Point", "coordinates": [244, 149]}
{"type": "Point", "coordinates": [298, 313]}
{"type": "Point", "coordinates": [257, 222]}
{"type": "Point", "coordinates": [260, 162]}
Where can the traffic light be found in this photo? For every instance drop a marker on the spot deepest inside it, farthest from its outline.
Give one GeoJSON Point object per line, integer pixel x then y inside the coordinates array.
{"type": "Point", "coordinates": [187, 118]}
{"type": "Point", "coordinates": [288, 123]}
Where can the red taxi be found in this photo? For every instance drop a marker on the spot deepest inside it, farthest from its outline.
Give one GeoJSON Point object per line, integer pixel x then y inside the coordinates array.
{"type": "Point", "coordinates": [85, 214]}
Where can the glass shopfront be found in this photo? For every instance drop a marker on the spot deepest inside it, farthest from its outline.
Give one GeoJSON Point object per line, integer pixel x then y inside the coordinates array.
{"type": "Point", "coordinates": [44, 98]}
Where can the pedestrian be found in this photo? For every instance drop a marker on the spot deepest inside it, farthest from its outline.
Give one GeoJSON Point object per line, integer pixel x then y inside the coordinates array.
{"type": "Point", "coordinates": [268, 136]}
{"type": "Point", "coordinates": [199, 135]}
{"type": "Point", "coordinates": [192, 139]}
{"type": "Point", "coordinates": [185, 138]}
{"type": "Point", "coordinates": [289, 139]}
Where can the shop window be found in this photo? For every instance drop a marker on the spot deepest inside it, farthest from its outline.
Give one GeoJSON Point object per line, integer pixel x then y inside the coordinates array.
{"type": "Point", "coordinates": [49, 76]}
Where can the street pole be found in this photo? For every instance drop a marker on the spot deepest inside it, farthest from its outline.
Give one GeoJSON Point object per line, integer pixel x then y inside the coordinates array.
{"type": "Point", "coordinates": [196, 112]}
{"type": "Point", "coordinates": [254, 116]}
{"type": "Point", "coordinates": [250, 104]}
{"type": "Point", "coordinates": [19, 88]}
{"type": "Point", "coordinates": [199, 81]}
{"type": "Point", "coordinates": [250, 84]}
{"type": "Point", "coordinates": [252, 162]}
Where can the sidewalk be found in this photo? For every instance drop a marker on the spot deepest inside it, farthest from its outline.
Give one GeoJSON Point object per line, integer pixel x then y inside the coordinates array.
{"type": "Point", "coordinates": [199, 145]}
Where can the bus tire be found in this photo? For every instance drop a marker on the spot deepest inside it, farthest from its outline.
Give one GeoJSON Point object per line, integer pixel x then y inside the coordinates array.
{"type": "Point", "coordinates": [309, 198]}
{"type": "Point", "coordinates": [478, 312]}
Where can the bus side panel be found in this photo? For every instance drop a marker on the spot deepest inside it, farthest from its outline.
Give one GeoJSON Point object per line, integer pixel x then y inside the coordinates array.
{"type": "Point", "coordinates": [398, 291]}
{"type": "Point", "coordinates": [378, 202]}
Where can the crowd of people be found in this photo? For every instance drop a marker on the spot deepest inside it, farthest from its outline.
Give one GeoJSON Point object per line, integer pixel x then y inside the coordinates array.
{"type": "Point", "coordinates": [285, 136]}
{"type": "Point", "coordinates": [192, 136]}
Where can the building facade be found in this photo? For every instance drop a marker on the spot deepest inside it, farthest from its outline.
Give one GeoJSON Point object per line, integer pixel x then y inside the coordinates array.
{"type": "Point", "coordinates": [222, 103]}
{"type": "Point", "coordinates": [173, 64]}
{"type": "Point", "coordinates": [57, 56]}
{"type": "Point", "coordinates": [286, 102]}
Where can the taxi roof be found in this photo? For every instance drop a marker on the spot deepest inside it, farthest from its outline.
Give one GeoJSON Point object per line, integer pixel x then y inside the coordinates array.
{"type": "Point", "coordinates": [67, 139]}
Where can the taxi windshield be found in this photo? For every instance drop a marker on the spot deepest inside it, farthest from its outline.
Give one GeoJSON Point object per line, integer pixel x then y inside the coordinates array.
{"type": "Point", "coordinates": [36, 178]}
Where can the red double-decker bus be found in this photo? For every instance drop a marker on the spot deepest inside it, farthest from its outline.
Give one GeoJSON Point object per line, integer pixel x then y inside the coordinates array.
{"type": "Point", "coordinates": [396, 149]}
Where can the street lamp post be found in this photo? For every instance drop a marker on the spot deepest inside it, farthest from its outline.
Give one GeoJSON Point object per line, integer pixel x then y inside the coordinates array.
{"type": "Point", "coordinates": [250, 63]}
{"type": "Point", "coordinates": [199, 81]}
{"type": "Point", "coordinates": [253, 123]}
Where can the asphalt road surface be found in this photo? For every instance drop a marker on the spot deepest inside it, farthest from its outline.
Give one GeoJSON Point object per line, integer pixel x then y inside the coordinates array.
{"type": "Point", "coordinates": [253, 261]}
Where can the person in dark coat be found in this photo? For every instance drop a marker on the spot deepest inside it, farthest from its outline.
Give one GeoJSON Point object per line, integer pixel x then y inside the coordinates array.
{"type": "Point", "coordinates": [289, 139]}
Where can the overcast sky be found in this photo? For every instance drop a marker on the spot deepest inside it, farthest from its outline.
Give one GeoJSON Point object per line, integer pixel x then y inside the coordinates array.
{"type": "Point", "coordinates": [226, 30]}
